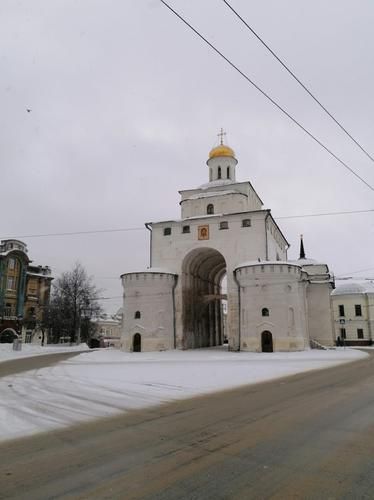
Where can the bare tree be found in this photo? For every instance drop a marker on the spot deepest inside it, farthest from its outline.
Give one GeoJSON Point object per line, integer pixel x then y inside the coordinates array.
{"type": "Point", "coordinates": [75, 300]}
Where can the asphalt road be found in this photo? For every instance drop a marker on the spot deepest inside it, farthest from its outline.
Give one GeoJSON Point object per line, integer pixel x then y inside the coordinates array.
{"type": "Point", "coordinates": [34, 362]}
{"type": "Point", "coordinates": [308, 436]}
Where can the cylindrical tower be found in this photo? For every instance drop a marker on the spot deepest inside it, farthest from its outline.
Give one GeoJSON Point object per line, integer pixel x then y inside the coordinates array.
{"type": "Point", "coordinates": [222, 164]}
{"type": "Point", "coordinates": [273, 308]}
{"type": "Point", "coordinates": [148, 311]}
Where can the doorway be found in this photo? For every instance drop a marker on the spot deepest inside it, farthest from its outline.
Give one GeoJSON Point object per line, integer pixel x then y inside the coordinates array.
{"type": "Point", "coordinates": [137, 343]}
{"type": "Point", "coordinates": [267, 341]}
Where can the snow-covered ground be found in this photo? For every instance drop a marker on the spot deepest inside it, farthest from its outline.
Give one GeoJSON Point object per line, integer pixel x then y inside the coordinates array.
{"type": "Point", "coordinates": [104, 382]}
{"type": "Point", "coordinates": [28, 350]}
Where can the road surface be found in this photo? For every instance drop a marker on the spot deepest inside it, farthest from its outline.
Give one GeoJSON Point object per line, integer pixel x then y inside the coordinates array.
{"type": "Point", "coordinates": [309, 436]}
{"type": "Point", "coordinates": [13, 366]}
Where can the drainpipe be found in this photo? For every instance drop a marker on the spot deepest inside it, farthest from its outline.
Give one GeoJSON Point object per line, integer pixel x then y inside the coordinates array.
{"type": "Point", "coordinates": [266, 237]}
{"type": "Point", "coordinates": [239, 305]}
{"type": "Point", "coordinates": [174, 319]}
{"type": "Point", "coordinates": [368, 315]}
{"type": "Point", "coordinates": [148, 225]}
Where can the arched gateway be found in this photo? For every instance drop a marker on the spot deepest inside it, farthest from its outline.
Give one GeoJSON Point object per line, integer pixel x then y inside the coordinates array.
{"type": "Point", "coordinates": [203, 270]}
{"type": "Point", "coordinates": [223, 231]}
{"type": "Point", "coordinates": [8, 335]}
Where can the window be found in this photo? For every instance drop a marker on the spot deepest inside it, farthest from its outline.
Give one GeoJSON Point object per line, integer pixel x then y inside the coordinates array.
{"type": "Point", "coordinates": [137, 315]}
{"type": "Point", "coordinates": [186, 229]}
{"type": "Point", "coordinates": [210, 209]}
{"type": "Point", "coordinates": [360, 333]}
{"type": "Point", "coordinates": [219, 176]}
{"type": "Point", "coordinates": [11, 263]}
{"type": "Point", "coordinates": [167, 231]}
{"type": "Point", "coordinates": [265, 311]}
{"type": "Point", "coordinates": [341, 310]}
{"type": "Point", "coordinates": [11, 283]}
{"type": "Point", "coordinates": [343, 333]}
{"type": "Point", "coordinates": [224, 225]}
{"type": "Point", "coordinates": [246, 223]}
{"type": "Point", "coordinates": [358, 310]}
{"type": "Point", "coordinates": [228, 173]}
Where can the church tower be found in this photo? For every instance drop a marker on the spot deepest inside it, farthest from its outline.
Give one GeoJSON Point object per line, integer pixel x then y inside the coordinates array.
{"type": "Point", "coordinates": [222, 162]}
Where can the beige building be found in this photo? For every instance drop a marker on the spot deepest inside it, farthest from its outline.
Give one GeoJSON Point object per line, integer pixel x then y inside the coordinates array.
{"type": "Point", "coordinates": [224, 232]}
{"type": "Point", "coordinates": [353, 308]}
{"type": "Point", "coordinates": [108, 330]}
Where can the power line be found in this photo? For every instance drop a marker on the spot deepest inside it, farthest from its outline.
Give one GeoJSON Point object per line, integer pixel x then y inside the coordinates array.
{"type": "Point", "coordinates": [278, 106]}
{"type": "Point", "coordinates": [128, 229]}
{"type": "Point", "coordinates": [360, 271]}
{"type": "Point", "coordinates": [75, 233]}
{"type": "Point", "coordinates": [326, 214]}
{"type": "Point", "coordinates": [298, 80]}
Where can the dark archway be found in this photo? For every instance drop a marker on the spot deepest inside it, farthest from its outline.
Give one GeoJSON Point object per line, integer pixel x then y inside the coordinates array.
{"type": "Point", "coordinates": [8, 335]}
{"type": "Point", "coordinates": [203, 272]}
{"type": "Point", "coordinates": [267, 342]}
{"type": "Point", "coordinates": [137, 343]}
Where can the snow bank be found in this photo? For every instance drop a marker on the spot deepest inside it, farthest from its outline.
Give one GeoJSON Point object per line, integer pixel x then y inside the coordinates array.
{"type": "Point", "coordinates": [105, 382]}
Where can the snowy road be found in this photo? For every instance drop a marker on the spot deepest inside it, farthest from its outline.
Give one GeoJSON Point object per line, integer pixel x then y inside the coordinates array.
{"type": "Point", "coordinates": [308, 436]}
{"type": "Point", "coordinates": [105, 382]}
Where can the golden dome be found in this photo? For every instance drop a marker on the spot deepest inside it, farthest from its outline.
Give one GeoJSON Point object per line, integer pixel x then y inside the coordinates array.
{"type": "Point", "coordinates": [221, 150]}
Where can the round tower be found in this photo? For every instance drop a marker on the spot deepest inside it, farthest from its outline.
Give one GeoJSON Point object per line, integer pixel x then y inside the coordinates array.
{"type": "Point", "coordinates": [148, 311]}
{"type": "Point", "coordinates": [273, 307]}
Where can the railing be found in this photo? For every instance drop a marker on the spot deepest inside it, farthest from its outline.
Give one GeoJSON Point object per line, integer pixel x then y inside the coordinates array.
{"type": "Point", "coordinates": [314, 344]}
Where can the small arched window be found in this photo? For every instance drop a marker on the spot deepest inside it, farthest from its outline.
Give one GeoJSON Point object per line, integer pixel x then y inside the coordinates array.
{"type": "Point", "coordinates": [265, 311]}
{"type": "Point", "coordinates": [219, 173]}
{"type": "Point", "coordinates": [137, 315]}
{"type": "Point", "coordinates": [228, 172]}
{"type": "Point", "coordinates": [210, 209]}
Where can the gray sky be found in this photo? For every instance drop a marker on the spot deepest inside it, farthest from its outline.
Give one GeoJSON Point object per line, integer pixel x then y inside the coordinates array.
{"type": "Point", "coordinates": [126, 104]}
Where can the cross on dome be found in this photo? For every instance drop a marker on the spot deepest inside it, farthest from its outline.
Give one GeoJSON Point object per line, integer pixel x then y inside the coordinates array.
{"type": "Point", "coordinates": [221, 135]}
{"type": "Point", "coordinates": [222, 149]}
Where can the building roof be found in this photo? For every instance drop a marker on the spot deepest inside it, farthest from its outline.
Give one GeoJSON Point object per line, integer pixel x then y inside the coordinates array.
{"type": "Point", "coordinates": [221, 150]}
{"type": "Point", "coordinates": [212, 193]}
{"type": "Point", "coordinates": [267, 263]}
{"type": "Point", "coordinates": [150, 270]}
{"type": "Point", "coordinates": [354, 287]}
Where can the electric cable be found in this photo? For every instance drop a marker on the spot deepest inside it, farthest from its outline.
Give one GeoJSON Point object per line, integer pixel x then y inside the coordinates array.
{"type": "Point", "coordinates": [298, 80]}
{"type": "Point", "coordinates": [275, 103]}
{"type": "Point", "coordinates": [128, 229]}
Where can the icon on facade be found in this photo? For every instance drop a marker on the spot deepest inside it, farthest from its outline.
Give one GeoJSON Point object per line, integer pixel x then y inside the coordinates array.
{"type": "Point", "coordinates": [203, 232]}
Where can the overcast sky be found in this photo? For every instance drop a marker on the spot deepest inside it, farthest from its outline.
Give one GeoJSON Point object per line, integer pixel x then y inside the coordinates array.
{"type": "Point", "coordinates": [126, 104]}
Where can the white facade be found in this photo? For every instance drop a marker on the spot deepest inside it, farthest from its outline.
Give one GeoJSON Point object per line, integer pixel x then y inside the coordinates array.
{"type": "Point", "coordinates": [148, 312]}
{"type": "Point", "coordinates": [353, 309]}
{"type": "Point", "coordinates": [222, 226]}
